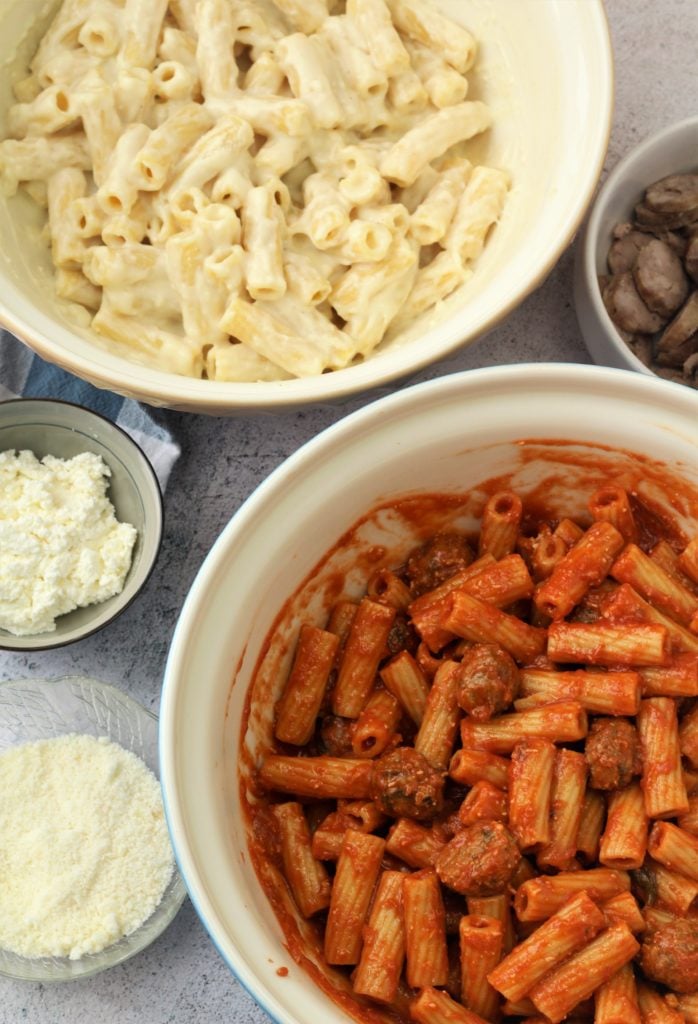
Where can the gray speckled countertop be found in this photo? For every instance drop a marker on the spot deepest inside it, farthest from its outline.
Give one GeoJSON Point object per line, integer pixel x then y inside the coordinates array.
{"type": "Point", "coordinates": [181, 978]}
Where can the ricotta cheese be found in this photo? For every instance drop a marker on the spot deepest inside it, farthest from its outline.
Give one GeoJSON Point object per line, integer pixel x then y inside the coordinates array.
{"type": "Point", "coordinates": [85, 855]}
{"type": "Point", "coordinates": [61, 546]}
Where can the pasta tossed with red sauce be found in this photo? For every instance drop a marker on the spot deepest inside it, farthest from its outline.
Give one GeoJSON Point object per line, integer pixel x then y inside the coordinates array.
{"type": "Point", "coordinates": [485, 780]}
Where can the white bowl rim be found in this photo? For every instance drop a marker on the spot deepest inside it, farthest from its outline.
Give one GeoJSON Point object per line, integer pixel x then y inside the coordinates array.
{"type": "Point", "coordinates": [572, 374]}
{"type": "Point", "coordinates": [212, 397]}
{"type": "Point", "coordinates": [591, 232]}
{"type": "Point", "coordinates": [159, 526]}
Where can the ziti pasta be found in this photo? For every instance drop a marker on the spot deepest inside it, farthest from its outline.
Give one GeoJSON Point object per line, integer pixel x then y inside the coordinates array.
{"type": "Point", "coordinates": [504, 827]}
{"type": "Point", "coordinates": [253, 190]}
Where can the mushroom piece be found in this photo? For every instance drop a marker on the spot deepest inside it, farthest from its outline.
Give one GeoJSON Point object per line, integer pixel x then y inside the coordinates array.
{"type": "Point", "coordinates": [659, 278]}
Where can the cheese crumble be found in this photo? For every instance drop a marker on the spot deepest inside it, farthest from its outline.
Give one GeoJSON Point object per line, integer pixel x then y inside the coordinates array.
{"type": "Point", "coordinates": [61, 546]}
{"type": "Point", "coordinates": [85, 855]}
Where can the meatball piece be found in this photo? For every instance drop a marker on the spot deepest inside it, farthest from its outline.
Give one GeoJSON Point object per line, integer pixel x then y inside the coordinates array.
{"type": "Point", "coordinates": [612, 751]}
{"type": "Point", "coordinates": [335, 733]}
{"type": "Point", "coordinates": [480, 860]}
{"type": "Point", "coordinates": [488, 681]}
{"type": "Point", "coordinates": [404, 785]}
{"type": "Point", "coordinates": [437, 560]}
{"type": "Point", "coordinates": [670, 955]}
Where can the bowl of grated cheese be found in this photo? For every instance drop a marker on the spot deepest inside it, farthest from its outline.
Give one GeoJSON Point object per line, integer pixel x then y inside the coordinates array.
{"type": "Point", "coordinates": [87, 874]}
{"type": "Point", "coordinates": [80, 523]}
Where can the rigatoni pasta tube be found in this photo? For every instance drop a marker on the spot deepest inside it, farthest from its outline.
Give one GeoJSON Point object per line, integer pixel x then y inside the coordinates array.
{"type": "Point", "coordinates": [432, 1006]}
{"type": "Point", "coordinates": [320, 777]}
{"type": "Point", "coordinates": [611, 504]}
{"type": "Point", "coordinates": [654, 1008]}
{"type": "Point", "coordinates": [498, 908]}
{"type": "Point", "coordinates": [483, 623]}
{"type": "Point", "coordinates": [481, 943]}
{"type": "Point", "coordinates": [662, 780]}
{"type": "Point", "coordinates": [651, 581]}
{"type": "Point", "coordinates": [567, 795]}
{"type": "Point", "coordinates": [363, 651]}
{"type": "Point", "coordinates": [541, 897]}
{"type": "Point", "coordinates": [499, 527]}
{"type": "Point", "coordinates": [566, 986]}
{"type": "Point", "coordinates": [471, 766]}
{"type": "Point", "coordinates": [591, 824]}
{"type": "Point", "coordinates": [624, 605]}
{"type": "Point", "coordinates": [585, 565]}
{"type": "Point", "coordinates": [306, 876]}
{"type": "Point", "coordinates": [414, 844]}
{"type": "Point", "coordinates": [383, 953]}
{"type": "Point", "coordinates": [675, 848]}
{"type": "Point", "coordinates": [599, 643]}
{"type": "Point", "coordinates": [574, 925]}
{"type": "Point", "coordinates": [624, 842]}
{"type": "Point", "coordinates": [425, 930]}
{"type": "Point", "coordinates": [601, 693]}
{"type": "Point", "coordinates": [615, 1002]}
{"type": "Point", "coordinates": [405, 680]}
{"type": "Point", "coordinates": [300, 702]}
{"type": "Point", "coordinates": [530, 786]}
{"type": "Point", "coordinates": [375, 726]}
{"type": "Point", "coordinates": [564, 722]}
{"type": "Point", "coordinates": [439, 727]}
{"type": "Point", "coordinates": [623, 907]}
{"type": "Point", "coordinates": [677, 679]}
{"type": "Point", "coordinates": [357, 871]}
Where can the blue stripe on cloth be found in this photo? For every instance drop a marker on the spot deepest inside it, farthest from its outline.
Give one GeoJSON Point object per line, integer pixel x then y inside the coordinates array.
{"type": "Point", "coordinates": [46, 381]}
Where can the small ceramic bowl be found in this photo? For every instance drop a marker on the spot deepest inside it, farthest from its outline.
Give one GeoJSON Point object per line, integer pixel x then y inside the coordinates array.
{"type": "Point", "coordinates": [38, 709]}
{"type": "Point", "coordinates": [50, 427]}
{"type": "Point", "coordinates": [671, 151]}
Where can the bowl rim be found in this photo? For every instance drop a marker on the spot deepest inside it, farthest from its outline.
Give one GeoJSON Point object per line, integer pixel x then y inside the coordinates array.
{"type": "Point", "coordinates": [592, 230]}
{"type": "Point", "coordinates": [220, 398]}
{"type": "Point", "coordinates": [48, 682]}
{"type": "Point", "coordinates": [140, 456]}
{"type": "Point", "coordinates": [577, 375]}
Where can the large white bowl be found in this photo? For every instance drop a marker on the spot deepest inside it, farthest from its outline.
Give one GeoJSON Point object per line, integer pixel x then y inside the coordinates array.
{"type": "Point", "coordinates": [547, 72]}
{"type": "Point", "coordinates": [444, 436]}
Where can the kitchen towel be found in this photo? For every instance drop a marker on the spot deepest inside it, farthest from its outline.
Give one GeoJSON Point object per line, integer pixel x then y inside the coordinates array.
{"type": "Point", "coordinates": [25, 375]}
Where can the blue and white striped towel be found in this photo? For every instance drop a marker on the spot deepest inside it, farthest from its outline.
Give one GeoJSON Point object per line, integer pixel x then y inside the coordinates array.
{"type": "Point", "coordinates": [25, 375]}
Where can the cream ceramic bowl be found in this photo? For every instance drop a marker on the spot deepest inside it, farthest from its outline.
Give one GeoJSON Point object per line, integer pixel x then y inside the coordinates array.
{"type": "Point", "coordinates": [547, 72]}
{"type": "Point", "coordinates": [444, 436]}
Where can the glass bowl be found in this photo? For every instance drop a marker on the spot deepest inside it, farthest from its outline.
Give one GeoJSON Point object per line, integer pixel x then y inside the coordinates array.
{"type": "Point", "coordinates": [37, 709]}
{"type": "Point", "coordinates": [53, 427]}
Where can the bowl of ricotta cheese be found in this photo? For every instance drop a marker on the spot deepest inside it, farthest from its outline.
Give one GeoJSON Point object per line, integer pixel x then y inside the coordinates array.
{"type": "Point", "coordinates": [80, 522]}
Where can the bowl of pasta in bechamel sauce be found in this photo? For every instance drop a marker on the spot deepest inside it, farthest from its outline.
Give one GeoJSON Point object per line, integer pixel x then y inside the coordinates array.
{"type": "Point", "coordinates": [258, 203]}
{"type": "Point", "coordinates": [448, 619]}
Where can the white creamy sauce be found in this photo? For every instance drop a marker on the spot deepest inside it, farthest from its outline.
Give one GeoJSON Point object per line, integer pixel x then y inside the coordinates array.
{"type": "Point", "coordinates": [61, 546]}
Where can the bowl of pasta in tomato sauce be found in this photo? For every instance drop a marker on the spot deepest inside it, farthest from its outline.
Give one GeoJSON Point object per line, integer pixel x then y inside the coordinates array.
{"type": "Point", "coordinates": [429, 729]}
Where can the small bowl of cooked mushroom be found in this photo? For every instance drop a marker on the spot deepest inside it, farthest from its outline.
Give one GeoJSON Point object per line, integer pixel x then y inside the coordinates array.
{"type": "Point", "coordinates": [636, 272]}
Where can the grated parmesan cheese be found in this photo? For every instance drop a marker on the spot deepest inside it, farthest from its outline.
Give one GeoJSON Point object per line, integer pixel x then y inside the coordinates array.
{"type": "Point", "coordinates": [61, 546]}
{"type": "Point", "coordinates": [85, 855]}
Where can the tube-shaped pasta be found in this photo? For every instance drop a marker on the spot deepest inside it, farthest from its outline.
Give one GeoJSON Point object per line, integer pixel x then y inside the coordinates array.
{"type": "Point", "coordinates": [425, 930]}
{"type": "Point", "coordinates": [262, 225]}
{"type": "Point", "coordinates": [357, 871]}
{"type": "Point", "coordinates": [431, 138]}
{"type": "Point", "coordinates": [306, 876]}
{"type": "Point", "coordinates": [383, 953]}
{"type": "Point", "coordinates": [624, 841]}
